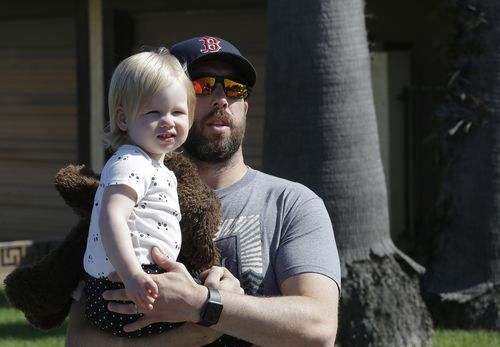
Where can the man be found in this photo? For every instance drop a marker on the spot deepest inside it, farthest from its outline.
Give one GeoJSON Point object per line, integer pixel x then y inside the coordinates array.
{"type": "Point", "coordinates": [276, 237]}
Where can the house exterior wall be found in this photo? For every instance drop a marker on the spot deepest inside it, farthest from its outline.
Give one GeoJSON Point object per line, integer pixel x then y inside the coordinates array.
{"type": "Point", "coordinates": [422, 28]}
{"type": "Point", "coordinates": [41, 115]}
{"type": "Point", "coordinates": [37, 124]}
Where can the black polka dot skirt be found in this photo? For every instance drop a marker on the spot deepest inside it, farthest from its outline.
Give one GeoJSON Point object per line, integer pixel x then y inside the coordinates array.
{"type": "Point", "coordinates": [229, 341]}
{"type": "Point", "coordinates": [98, 315]}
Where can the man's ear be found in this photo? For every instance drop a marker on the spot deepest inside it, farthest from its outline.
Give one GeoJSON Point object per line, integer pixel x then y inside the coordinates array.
{"type": "Point", "coordinates": [121, 119]}
{"type": "Point", "coordinates": [246, 107]}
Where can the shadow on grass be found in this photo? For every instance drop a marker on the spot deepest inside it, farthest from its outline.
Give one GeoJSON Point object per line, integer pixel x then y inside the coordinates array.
{"type": "Point", "coordinates": [23, 331]}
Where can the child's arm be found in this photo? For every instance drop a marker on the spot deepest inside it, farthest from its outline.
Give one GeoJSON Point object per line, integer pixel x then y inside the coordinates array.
{"type": "Point", "coordinates": [117, 204]}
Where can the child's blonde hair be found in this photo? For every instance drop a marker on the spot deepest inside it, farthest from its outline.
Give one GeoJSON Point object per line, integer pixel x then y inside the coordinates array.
{"type": "Point", "coordinates": [135, 81]}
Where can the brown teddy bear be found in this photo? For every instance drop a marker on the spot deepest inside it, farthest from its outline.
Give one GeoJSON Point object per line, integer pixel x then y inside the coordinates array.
{"type": "Point", "coordinates": [42, 290]}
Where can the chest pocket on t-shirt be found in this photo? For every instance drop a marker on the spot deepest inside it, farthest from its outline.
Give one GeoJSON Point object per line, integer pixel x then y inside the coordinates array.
{"type": "Point", "coordinates": [229, 247]}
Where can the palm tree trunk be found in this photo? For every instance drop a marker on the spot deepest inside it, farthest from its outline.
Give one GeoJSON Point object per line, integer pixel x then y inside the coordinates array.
{"type": "Point", "coordinates": [464, 277]}
{"type": "Point", "coordinates": [321, 130]}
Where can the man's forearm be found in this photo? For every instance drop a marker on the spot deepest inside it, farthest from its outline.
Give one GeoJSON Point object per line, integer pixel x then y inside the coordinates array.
{"type": "Point", "coordinates": [279, 321]}
{"type": "Point", "coordinates": [306, 314]}
{"type": "Point", "coordinates": [81, 334]}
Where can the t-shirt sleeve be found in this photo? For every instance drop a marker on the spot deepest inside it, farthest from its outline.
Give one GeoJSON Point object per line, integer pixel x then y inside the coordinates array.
{"type": "Point", "coordinates": [129, 170]}
{"type": "Point", "coordinates": [307, 243]}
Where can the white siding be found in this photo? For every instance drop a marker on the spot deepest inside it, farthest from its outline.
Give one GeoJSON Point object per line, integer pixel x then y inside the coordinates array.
{"type": "Point", "coordinates": [37, 125]}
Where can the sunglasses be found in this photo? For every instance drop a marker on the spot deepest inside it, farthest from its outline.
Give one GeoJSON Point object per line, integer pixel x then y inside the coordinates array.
{"type": "Point", "coordinates": [206, 86]}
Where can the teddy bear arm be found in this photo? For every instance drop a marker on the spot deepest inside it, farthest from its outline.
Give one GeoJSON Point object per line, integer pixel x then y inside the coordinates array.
{"type": "Point", "coordinates": [42, 290]}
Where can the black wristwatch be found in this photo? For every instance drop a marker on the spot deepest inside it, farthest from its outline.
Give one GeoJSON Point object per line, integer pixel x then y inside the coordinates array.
{"type": "Point", "coordinates": [212, 309]}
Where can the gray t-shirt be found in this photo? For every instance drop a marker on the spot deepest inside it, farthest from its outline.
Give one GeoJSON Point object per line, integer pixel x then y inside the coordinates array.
{"type": "Point", "coordinates": [274, 229]}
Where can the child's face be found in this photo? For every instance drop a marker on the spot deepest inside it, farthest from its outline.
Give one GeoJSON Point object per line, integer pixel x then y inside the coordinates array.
{"type": "Point", "coordinates": [163, 124]}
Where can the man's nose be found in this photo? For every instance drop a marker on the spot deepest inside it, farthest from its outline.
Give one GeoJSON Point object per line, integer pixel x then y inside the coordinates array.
{"type": "Point", "coordinates": [219, 98]}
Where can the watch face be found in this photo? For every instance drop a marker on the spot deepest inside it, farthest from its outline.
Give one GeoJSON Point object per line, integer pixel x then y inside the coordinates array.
{"type": "Point", "coordinates": [213, 308]}
{"type": "Point", "coordinates": [212, 313]}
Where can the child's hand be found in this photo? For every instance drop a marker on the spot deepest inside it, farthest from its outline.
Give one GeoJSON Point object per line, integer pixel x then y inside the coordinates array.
{"type": "Point", "coordinates": [142, 290]}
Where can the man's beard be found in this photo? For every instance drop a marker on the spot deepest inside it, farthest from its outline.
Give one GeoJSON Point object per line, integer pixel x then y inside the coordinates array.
{"type": "Point", "coordinates": [216, 148]}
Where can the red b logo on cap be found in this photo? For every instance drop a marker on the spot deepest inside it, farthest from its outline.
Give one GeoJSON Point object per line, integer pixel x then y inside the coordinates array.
{"type": "Point", "coordinates": [210, 44]}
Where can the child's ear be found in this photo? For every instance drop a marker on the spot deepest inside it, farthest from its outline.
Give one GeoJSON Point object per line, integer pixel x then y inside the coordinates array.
{"type": "Point", "coordinates": [121, 119]}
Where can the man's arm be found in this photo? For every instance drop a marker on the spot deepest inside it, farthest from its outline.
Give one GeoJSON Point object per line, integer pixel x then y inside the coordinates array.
{"type": "Point", "coordinates": [306, 314]}
{"type": "Point", "coordinates": [81, 334]}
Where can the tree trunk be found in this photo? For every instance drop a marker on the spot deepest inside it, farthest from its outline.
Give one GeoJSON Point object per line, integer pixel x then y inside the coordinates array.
{"type": "Point", "coordinates": [464, 277]}
{"type": "Point", "coordinates": [321, 130]}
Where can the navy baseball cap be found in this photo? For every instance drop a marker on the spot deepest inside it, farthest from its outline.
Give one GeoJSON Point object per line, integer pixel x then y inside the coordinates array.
{"type": "Point", "coordinates": [205, 48]}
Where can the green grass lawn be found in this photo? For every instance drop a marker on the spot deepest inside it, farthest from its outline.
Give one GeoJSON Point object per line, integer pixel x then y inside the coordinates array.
{"type": "Point", "coordinates": [460, 338]}
{"type": "Point", "coordinates": [16, 332]}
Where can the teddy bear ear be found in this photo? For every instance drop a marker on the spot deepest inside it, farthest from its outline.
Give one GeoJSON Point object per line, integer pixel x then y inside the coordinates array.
{"type": "Point", "coordinates": [77, 186]}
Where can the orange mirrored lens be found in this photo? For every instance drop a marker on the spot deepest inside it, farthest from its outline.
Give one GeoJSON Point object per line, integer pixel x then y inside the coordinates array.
{"type": "Point", "coordinates": [204, 86]}
{"type": "Point", "coordinates": [235, 89]}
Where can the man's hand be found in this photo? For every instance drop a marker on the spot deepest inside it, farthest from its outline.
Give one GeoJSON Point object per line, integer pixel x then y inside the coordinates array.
{"type": "Point", "coordinates": [222, 279]}
{"type": "Point", "coordinates": [80, 333]}
{"type": "Point", "coordinates": [179, 299]}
